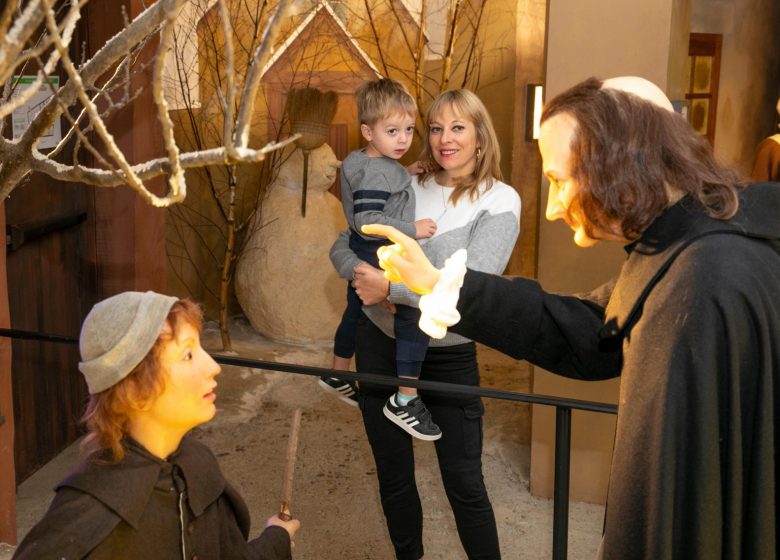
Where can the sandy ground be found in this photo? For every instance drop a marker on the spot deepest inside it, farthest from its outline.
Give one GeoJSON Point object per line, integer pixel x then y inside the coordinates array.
{"type": "Point", "coordinates": [335, 491]}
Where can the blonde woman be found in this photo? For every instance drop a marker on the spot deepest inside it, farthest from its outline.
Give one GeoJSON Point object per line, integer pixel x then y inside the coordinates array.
{"type": "Point", "coordinates": [473, 210]}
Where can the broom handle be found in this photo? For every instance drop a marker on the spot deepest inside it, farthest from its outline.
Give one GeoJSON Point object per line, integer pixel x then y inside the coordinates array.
{"type": "Point", "coordinates": [305, 181]}
{"type": "Point", "coordinates": [289, 471]}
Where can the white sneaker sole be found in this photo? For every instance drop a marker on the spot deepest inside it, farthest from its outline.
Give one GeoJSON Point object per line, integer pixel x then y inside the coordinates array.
{"type": "Point", "coordinates": [405, 427]}
{"type": "Point", "coordinates": [338, 393]}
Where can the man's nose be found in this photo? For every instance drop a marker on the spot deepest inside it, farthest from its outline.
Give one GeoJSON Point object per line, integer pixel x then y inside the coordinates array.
{"type": "Point", "coordinates": [555, 210]}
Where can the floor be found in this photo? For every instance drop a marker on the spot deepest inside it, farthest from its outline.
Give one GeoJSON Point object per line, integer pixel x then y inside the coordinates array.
{"type": "Point", "coordinates": [335, 494]}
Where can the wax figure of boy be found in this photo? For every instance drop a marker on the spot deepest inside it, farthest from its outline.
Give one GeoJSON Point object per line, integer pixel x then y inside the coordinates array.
{"type": "Point", "coordinates": [375, 188]}
{"type": "Point", "coordinates": [147, 489]}
{"type": "Point", "coordinates": [691, 324]}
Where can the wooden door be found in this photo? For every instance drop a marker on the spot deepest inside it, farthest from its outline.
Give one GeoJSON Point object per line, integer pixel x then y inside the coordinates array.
{"type": "Point", "coordinates": [51, 286]}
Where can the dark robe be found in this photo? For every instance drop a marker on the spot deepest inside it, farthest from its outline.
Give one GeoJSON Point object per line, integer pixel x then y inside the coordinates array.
{"type": "Point", "coordinates": [692, 326]}
{"type": "Point", "coordinates": [144, 507]}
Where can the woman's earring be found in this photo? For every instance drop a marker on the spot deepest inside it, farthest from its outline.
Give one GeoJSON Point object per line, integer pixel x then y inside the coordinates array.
{"type": "Point", "coordinates": [479, 153]}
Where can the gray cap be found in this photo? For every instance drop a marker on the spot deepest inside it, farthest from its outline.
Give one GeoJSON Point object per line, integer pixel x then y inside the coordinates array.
{"type": "Point", "coordinates": [118, 334]}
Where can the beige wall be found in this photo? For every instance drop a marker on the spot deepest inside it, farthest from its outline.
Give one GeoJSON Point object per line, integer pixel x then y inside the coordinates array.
{"type": "Point", "coordinates": [603, 39]}
{"type": "Point", "coordinates": [526, 162]}
{"type": "Point", "coordinates": [749, 72]}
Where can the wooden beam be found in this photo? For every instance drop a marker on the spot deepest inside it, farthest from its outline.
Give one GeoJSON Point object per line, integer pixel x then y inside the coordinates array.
{"type": "Point", "coordinates": [7, 469]}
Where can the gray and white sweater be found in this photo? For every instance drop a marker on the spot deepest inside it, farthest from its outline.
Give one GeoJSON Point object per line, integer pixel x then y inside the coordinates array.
{"type": "Point", "coordinates": [487, 228]}
{"type": "Point", "coordinates": [376, 190]}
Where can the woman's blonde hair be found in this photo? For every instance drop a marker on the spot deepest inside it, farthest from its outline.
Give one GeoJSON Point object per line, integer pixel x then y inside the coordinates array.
{"type": "Point", "coordinates": [107, 417]}
{"type": "Point", "coordinates": [466, 105]}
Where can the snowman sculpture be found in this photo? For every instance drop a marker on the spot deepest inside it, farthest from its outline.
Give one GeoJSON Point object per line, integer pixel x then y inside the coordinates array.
{"type": "Point", "coordinates": [285, 282]}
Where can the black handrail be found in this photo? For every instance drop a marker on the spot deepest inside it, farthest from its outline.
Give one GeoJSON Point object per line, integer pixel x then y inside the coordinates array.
{"type": "Point", "coordinates": [563, 408]}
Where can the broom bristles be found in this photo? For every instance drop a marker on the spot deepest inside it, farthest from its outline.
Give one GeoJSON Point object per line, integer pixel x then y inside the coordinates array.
{"type": "Point", "coordinates": [310, 105]}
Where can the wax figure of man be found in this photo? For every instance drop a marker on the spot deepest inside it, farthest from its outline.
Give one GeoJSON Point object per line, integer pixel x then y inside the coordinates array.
{"type": "Point", "coordinates": [766, 164]}
{"type": "Point", "coordinates": [146, 489]}
{"type": "Point", "coordinates": [691, 323]}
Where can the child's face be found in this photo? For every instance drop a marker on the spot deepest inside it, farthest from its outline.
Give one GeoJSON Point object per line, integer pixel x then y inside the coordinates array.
{"type": "Point", "coordinates": [189, 374]}
{"type": "Point", "coordinates": [390, 137]}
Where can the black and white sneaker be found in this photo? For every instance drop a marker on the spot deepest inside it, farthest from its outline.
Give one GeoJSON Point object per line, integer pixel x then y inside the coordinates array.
{"type": "Point", "coordinates": [413, 418]}
{"type": "Point", "coordinates": [345, 390]}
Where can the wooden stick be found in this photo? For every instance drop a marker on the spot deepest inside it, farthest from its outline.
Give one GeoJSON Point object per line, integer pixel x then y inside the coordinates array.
{"type": "Point", "coordinates": [289, 470]}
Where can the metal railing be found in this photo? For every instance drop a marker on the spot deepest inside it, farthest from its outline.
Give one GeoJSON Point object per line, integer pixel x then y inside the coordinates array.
{"type": "Point", "coordinates": [563, 410]}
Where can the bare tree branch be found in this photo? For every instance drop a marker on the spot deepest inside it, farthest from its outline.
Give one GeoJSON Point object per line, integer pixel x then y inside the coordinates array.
{"type": "Point", "coordinates": [113, 66]}
{"type": "Point", "coordinates": [155, 167]}
{"type": "Point", "coordinates": [451, 39]}
{"type": "Point", "coordinates": [262, 55]}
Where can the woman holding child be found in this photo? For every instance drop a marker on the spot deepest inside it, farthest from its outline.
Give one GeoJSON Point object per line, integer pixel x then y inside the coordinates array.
{"type": "Point", "coordinates": [473, 210]}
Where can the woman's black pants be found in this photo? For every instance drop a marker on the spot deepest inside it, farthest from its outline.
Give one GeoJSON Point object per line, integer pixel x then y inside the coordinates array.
{"type": "Point", "coordinates": [459, 450]}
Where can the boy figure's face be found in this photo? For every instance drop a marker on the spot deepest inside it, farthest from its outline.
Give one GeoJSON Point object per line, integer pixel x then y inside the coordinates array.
{"type": "Point", "coordinates": [390, 136]}
{"type": "Point", "coordinates": [189, 374]}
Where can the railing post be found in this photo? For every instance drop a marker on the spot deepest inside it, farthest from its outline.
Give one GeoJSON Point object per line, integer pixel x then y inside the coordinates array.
{"type": "Point", "coordinates": [561, 491]}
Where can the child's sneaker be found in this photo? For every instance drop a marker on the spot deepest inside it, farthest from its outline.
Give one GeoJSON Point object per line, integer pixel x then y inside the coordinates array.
{"type": "Point", "coordinates": [413, 417]}
{"type": "Point", "coordinates": [345, 390]}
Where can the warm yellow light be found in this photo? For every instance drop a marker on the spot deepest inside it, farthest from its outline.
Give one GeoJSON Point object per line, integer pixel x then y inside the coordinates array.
{"type": "Point", "coordinates": [533, 111]}
{"type": "Point", "coordinates": [538, 94]}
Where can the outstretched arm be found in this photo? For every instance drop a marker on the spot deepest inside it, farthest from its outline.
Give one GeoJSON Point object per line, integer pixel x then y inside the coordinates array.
{"type": "Point", "coordinates": [517, 317]}
{"type": "Point", "coordinates": [513, 315]}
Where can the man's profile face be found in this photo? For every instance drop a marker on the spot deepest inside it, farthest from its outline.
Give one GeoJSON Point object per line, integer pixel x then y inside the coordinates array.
{"type": "Point", "coordinates": [555, 137]}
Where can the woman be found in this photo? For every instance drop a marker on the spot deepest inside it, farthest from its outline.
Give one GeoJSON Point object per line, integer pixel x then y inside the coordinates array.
{"type": "Point", "coordinates": [146, 489]}
{"type": "Point", "coordinates": [474, 210]}
{"type": "Point", "coordinates": [690, 325]}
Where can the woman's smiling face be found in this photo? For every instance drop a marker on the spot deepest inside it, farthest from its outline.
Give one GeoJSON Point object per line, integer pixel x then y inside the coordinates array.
{"type": "Point", "coordinates": [453, 141]}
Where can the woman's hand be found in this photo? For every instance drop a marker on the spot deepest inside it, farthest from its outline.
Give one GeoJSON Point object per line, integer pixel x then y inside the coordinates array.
{"type": "Point", "coordinates": [370, 284]}
{"type": "Point", "coordinates": [405, 261]}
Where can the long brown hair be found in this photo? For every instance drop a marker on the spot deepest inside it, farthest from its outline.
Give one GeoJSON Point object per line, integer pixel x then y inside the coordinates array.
{"type": "Point", "coordinates": [107, 417]}
{"type": "Point", "coordinates": [467, 105]}
{"type": "Point", "coordinates": [625, 149]}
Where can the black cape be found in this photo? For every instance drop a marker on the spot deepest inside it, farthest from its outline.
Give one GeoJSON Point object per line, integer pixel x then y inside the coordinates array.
{"type": "Point", "coordinates": [692, 325]}
{"type": "Point", "coordinates": [131, 510]}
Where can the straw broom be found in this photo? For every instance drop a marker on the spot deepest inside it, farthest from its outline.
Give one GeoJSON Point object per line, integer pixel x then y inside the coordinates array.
{"type": "Point", "coordinates": [310, 112]}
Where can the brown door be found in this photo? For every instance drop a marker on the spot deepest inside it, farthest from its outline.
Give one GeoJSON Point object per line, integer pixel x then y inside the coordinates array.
{"type": "Point", "coordinates": [51, 286]}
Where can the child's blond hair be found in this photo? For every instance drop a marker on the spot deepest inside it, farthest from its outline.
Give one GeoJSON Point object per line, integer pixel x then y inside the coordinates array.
{"type": "Point", "coordinates": [382, 98]}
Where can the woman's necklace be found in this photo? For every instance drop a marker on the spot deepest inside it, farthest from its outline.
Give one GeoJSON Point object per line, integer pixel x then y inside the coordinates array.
{"type": "Point", "coordinates": [444, 203]}
{"type": "Point", "coordinates": [444, 199]}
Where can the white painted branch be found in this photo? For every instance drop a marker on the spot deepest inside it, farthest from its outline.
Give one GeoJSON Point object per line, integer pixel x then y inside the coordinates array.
{"type": "Point", "coordinates": [177, 185]}
{"type": "Point", "coordinates": [15, 40]}
{"type": "Point", "coordinates": [68, 25]}
{"type": "Point", "coordinates": [230, 84]}
{"type": "Point", "coordinates": [99, 126]}
{"type": "Point", "coordinates": [261, 56]}
{"type": "Point", "coordinates": [153, 168]}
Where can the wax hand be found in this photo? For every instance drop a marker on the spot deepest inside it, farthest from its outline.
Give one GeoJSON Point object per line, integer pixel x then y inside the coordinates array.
{"type": "Point", "coordinates": [404, 261]}
{"type": "Point", "coordinates": [424, 228]}
{"type": "Point", "coordinates": [290, 526]}
{"type": "Point", "coordinates": [370, 284]}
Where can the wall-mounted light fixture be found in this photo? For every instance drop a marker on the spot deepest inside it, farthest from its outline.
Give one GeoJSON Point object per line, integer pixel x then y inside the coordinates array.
{"type": "Point", "coordinates": [534, 97]}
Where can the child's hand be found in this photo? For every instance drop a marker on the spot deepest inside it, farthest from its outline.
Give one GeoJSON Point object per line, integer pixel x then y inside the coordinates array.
{"type": "Point", "coordinates": [419, 167]}
{"type": "Point", "coordinates": [424, 228]}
